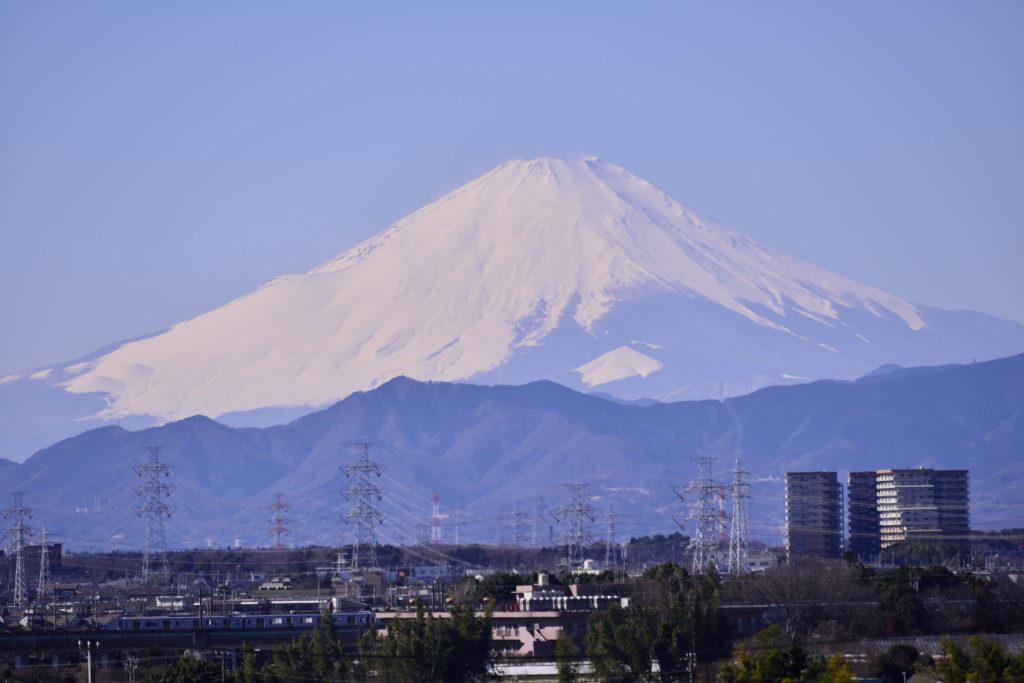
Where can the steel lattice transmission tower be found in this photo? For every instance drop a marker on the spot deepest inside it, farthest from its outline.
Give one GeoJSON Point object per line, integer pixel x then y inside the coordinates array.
{"type": "Point", "coordinates": [19, 534]}
{"type": "Point", "coordinates": [575, 517]}
{"type": "Point", "coordinates": [520, 520]}
{"type": "Point", "coordinates": [154, 491]}
{"type": "Point", "coordinates": [740, 491]}
{"type": "Point", "coordinates": [610, 547]}
{"type": "Point", "coordinates": [44, 587]}
{"type": "Point", "coordinates": [536, 517]}
{"type": "Point", "coordinates": [279, 521]}
{"type": "Point", "coordinates": [435, 519]}
{"type": "Point", "coordinates": [704, 515]}
{"type": "Point", "coordinates": [363, 496]}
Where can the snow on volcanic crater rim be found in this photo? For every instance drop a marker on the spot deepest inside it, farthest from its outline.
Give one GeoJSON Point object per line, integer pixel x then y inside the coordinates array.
{"type": "Point", "coordinates": [455, 288]}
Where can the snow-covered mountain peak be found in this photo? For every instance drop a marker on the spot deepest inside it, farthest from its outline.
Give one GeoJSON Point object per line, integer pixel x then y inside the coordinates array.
{"type": "Point", "coordinates": [459, 287]}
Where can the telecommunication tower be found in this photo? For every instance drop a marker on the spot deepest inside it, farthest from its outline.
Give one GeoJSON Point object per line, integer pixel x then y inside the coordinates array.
{"type": "Point", "coordinates": [362, 496]}
{"type": "Point", "coordinates": [738, 553]}
{"type": "Point", "coordinates": [19, 534]}
{"type": "Point", "coordinates": [153, 492]}
{"type": "Point", "coordinates": [279, 521]}
{"type": "Point", "coordinates": [43, 588]}
{"type": "Point", "coordinates": [575, 517]}
{"type": "Point", "coordinates": [706, 519]}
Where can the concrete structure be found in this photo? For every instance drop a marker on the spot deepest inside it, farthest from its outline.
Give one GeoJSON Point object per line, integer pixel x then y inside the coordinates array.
{"type": "Point", "coordinates": [862, 510]}
{"type": "Point", "coordinates": [814, 519]}
{"type": "Point", "coordinates": [895, 505]}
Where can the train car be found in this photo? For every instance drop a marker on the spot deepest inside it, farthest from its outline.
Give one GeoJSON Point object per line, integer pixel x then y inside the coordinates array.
{"type": "Point", "coordinates": [262, 622]}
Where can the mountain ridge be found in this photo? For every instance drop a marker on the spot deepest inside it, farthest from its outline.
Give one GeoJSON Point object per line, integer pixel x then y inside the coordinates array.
{"type": "Point", "coordinates": [486, 449]}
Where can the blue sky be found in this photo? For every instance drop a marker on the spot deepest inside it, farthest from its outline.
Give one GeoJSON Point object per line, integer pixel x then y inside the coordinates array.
{"type": "Point", "coordinates": [159, 159]}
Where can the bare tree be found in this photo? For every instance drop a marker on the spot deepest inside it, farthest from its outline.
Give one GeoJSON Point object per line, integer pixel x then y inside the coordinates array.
{"type": "Point", "coordinates": [812, 598]}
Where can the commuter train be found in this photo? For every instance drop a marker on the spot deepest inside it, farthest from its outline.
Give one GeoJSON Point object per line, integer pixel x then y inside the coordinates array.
{"type": "Point", "coordinates": [358, 621]}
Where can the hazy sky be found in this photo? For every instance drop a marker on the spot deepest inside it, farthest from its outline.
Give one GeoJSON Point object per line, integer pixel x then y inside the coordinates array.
{"type": "Point", "coordinates": [159, 159]}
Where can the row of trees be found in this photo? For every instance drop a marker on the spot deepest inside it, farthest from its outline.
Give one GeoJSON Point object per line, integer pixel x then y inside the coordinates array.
{"type": "Point", "coordinates": [675, 625]}
{"type": "Point", "coordinates": [829, 601]}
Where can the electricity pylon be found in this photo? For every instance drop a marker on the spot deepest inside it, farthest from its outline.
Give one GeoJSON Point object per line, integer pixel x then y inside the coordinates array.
{"type": "Point", "coordinates": [575, 517]}
{"type": "Point", "coordinates": [278, 521]}
{"type": "Point", "coordinates": [19, 534]}
{"type": "Point", "coordinates": [738, 552]}
{"type": "Point", "coordinates": [363, 496]}
{"type": "Point", "coordinates": [43, 588]}
{"type": "Point", "coordinates": [153, 492]}
{"type": "Point", "coordinates": [707, 522]}
{"type": "Point", "coordinates": [610, 548]}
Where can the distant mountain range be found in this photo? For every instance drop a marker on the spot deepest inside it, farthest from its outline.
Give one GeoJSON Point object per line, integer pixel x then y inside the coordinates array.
{"type": "Point", "coordinates": [487, 449]}
{"type": "Point", "coordinates": [571, 270]}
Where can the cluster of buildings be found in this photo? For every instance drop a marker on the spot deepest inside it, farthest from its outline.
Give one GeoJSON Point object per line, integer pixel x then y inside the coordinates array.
{"type": "Point", "coordinates": [882, 508]}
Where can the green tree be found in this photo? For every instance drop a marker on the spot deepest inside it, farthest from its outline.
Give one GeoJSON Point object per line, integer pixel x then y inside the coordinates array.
{"type": "Point", "coordinates": [183, 670]}
{"type": "Point", "coordinates": [898, 660]}
{"type": "Point", "coordinates": [769, 659]}
{"type": "Point", "coordinates": [431, 649]}
{"type": "Point", "coordinates": [315, 657]}
{"type": "Point", "coordinates": [673, 617]}
{"type": "Point", "coordinates": [567, 658]}
{"type": "Point", "coordinates": [955, 666]}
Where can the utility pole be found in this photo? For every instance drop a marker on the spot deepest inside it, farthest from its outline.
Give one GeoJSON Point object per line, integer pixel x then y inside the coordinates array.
{"type": "Point", "coordinates": [88, 646]}
{"type": "Point", "coordinates": [609, 541]}
{"type": "Point", "coordinates": [707, 521]}
{"type": "Point", "coordinates": [153, 492]}
{"type": "Point", "coordinates": [738, 552]}
{"type": "Point", "coordinates": [278, 521]}
{"type": "Point", "coordinates": [574, 517]}
{"type": "Point", "coordinates": [43, 587]}
{"type": "Point", "coordinates": [362, 496]}
{"type": "Point", "coordinates": [19, 534]}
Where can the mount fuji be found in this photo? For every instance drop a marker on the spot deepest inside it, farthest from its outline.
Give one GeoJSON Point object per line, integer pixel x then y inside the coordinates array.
{"type": "Point", "coordinates": [575, 271]}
